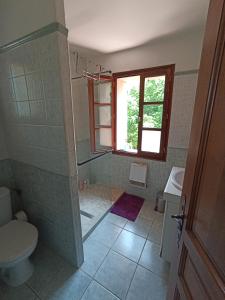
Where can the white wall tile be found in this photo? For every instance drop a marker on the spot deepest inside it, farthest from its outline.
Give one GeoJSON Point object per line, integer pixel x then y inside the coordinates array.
{"type": "Point", "coordinates": [20, 88]}
{"type": "Point", "coordinates": [39, 146]}
{"type": "Point", "coordinates": [16, 61]}
{"type": "Point", "coordinates": [32, 103]}
{"type": "Point", "coordinates": [23, 109]}
{"type": "Point", "coordinates": [34, 86]}
{"type": "Point", "coordinates": [54, 112]}
{"type": "Point", "coordinates": [52, 85]}
{"type": "Point", "coordinates": [31, 59]}
{"type": "Point", "coordinates": [7, 89]}
{"type": "Point", "coordinates": [182, 110]}
{"type": "Point", "coordinates": [37, 112]}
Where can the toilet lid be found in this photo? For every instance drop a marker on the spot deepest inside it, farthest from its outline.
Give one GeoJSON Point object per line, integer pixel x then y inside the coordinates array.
{"type": "Point", "coordinates": [17, 239]}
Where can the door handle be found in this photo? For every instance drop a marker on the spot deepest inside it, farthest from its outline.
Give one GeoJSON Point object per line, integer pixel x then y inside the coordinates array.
{"type": "Point", "coordinates": [180, 221]}
{"type": "Point", "coordinates": [178, 217]}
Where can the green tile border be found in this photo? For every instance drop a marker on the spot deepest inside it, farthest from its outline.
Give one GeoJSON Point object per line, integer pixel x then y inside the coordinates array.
{"type": "Point", "coordinates": [50, 28]}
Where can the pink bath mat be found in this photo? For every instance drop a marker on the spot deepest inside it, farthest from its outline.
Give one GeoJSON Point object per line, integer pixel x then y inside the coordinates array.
{"type": "Point", "coordinates": [128, 206]}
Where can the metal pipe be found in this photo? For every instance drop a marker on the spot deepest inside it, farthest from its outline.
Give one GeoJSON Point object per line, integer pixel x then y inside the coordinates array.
{"type": "Point", "coordinates": [83, 76]}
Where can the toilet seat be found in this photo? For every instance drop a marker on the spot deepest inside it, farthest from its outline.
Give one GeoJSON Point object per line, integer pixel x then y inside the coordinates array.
{"type": "Point", "coordinates": [18, 239]}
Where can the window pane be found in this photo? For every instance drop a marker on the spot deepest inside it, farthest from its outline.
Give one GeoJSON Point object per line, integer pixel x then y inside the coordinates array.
{"type": "Point", "coordinates": [154, 89]}
{"type": "Point", "coordinates": [152, 116]}
{"type": "Point", "coordinates": [103, 92]}
{"type": "Point", "coordinates": [103, 138]}
{"type": "Point", "coordinates": [102, 115]}
{"type": "Point", "coordinates": [151, 141]}
{"type": "Point", "coordinates": [127, 113]}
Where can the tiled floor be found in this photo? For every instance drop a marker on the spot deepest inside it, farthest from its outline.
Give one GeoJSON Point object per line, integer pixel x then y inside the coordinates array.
{"type": "Point", "coordinates": [95, 201]}
{"type": "Point", "coordinates": [121, 262]}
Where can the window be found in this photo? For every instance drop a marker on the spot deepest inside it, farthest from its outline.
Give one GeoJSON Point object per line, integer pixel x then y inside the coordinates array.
{"type": "Point", "coordinates": [100, 114]}
{"type": "Point", "coordinates": [136, 110]}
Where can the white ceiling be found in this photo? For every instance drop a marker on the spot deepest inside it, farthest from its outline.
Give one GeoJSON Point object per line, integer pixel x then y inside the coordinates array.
{"type": "Point", "coordinates": [109, 26]}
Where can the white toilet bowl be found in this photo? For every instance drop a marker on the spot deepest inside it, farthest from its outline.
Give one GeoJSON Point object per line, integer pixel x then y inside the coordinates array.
{"type": "Point", "coordinates": [18, 240]}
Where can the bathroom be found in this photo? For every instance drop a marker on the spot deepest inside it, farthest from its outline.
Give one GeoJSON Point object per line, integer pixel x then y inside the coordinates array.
{"type": "Point", "coordinates": [66, 165]}
{"type": "Point", "coordinates": [111, 172]}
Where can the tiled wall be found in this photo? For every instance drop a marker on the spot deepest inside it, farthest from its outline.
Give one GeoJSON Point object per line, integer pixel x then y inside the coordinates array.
{"type": "Point", "coordinates": [45, 198]}
{"type": "Point", "coordinates": [83, 153]}
{"type": "Point", "coordinates": [182, 109]}
{"type": "Point", "coordinates": [3, 150]}
{"type": "Point", "coordinates": [32, 105]}
{"type": "Point", "coordinates": [35, 97]}
{"type": "Point", "coordinates": [7, 180]}
{"type": "Point", "coordinates": [114, 169]}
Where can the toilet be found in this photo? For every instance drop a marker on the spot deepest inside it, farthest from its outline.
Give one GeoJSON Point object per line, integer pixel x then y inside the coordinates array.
{"type": "Point", "coordinates": [18, 240]}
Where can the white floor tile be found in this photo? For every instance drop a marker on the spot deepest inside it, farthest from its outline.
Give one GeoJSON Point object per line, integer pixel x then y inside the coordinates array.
{"type": "Point", "coordinates": [141, 226]}
{"type": "Point", "coordinates": [146, 286]}
{"type": "Point", "coordinates": [129, 245]}
{"type": "Point", "coordinates": [106, 233]}
{"type": "Point", "coordinates": [116, 220]}
{"type": "Point", "coordinates": [94, 254]}
{"type": "Point", "coordinates": [97, 292]}
{"type": "Point", "coordinates": [151, 260]}
{"type": "Point", "coordinates": [116, 273]}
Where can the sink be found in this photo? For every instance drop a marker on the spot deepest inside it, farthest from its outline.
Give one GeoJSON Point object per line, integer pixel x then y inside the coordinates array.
{"type": "Point", "coordinates": [177, 179]}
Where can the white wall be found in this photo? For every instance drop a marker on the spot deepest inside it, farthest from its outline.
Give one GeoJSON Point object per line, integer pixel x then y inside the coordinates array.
{"type": "Point", "coordinates": [183, 50]}
{"type": "Point", "coordinates": [18, 18]}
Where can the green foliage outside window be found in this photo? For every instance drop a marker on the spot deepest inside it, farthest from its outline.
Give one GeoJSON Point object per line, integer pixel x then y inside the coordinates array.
{"type": "Point", "coordinates": [152, 114]}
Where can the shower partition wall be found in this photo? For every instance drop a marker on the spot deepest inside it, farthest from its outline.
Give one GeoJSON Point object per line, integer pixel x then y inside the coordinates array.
{"type": "Point", "coordinates": [96, 196]}
{"type": "Point", "coordinates": [96, 193]}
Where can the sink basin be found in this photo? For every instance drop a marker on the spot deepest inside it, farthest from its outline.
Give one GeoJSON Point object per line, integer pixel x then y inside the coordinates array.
{"type": "Point", "coordinates": [177, 179]}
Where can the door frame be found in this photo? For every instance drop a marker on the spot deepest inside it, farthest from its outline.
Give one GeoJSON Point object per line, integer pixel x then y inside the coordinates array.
{"type": "Point", "coordinates": [212, 52]}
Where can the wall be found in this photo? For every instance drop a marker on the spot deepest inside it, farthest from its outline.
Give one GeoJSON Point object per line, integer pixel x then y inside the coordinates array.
{"type": "Point", "coordinates": [6, 175]}
{"type": "Point", "coordinates": [81, 110]}
{"type": "Point", "coordinates": [182, 109]}
{"type": "Point", "coordinates": [183, 49]}
{"type": "Point", "coordinates": [19, 18]}
{"type": "Point", "coordinates": [3, 150]}
{"type": "Point", "coordinates": [185, 52]}
{"type": "Point", "coordinates": [36, 106]}
{"type": "Point", "coordinates": [114, 170]}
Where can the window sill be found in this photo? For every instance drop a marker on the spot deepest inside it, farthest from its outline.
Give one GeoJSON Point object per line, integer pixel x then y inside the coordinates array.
{"type": "Point", "coordinates": [150, 156]}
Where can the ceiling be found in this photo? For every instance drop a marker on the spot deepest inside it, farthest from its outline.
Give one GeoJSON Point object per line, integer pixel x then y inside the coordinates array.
{"type": "Point", "coordinates": [109, 26]}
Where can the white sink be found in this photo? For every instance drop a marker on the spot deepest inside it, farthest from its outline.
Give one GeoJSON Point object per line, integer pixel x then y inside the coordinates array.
{"type": "Point", "coordinates": [177, 179]}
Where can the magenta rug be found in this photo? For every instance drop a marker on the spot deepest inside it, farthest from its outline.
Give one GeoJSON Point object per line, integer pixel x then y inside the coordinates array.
{"type": "Point", "coordinates": [127, 206]}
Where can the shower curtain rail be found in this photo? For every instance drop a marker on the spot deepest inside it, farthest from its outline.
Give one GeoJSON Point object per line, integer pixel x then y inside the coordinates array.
{"type": "Point", "coordinates": [95, 74]}
{"type": "Point", "coordinates": [93, 158]}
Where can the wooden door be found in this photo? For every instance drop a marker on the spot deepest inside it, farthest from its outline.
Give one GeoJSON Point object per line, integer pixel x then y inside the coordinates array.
{"type": "Point", "coordinates": [198, 269]}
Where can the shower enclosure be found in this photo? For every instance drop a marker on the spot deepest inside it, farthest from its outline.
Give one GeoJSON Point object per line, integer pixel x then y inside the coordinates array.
{"type": "Point", "coordinates": [97, 192]}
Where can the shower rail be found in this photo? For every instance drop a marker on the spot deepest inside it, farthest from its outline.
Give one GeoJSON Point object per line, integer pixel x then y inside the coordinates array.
{"type": "Point", "coordinates": [100, 154]}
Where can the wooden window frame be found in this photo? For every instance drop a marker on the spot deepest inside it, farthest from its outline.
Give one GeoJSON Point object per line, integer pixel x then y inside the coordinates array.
{"type": "Point", "coordinates": [92, 104]}
{"type": "Point", "coordinates": [168, 72]}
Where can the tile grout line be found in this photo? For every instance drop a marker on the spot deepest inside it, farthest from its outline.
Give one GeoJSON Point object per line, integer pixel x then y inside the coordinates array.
{"type": "Point", "coordinates": [93, 277]}
{"type": "Point", "coordinates": [106, 288]}
{"type": "Point", "coordinates": [86, 288]}
{"type": "Point", "coordinates": [135, 269]}
{"type": "Point", "coordinates": [111, 249]}
{"type": "Point", "coordinates": [33, 291]}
